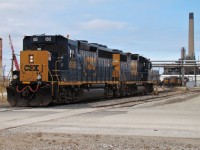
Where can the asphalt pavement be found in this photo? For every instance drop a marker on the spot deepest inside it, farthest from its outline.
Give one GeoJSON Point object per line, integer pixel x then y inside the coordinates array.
{"type": "Point", "coordinates": [165, 119]}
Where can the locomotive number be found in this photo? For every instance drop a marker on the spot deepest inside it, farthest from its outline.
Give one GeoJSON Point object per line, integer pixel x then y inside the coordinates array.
{"type": "Point", "coordinates": [31, 67]}
{"type": "Point", "coordinates": [47, 39]}
{"type": "Point", "coordinates": [72, 64]}
{"type": "Point", "coordinates": [35, 39]}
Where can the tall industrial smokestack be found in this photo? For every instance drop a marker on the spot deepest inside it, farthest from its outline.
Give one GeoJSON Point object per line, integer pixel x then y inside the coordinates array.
{"type": "Point", "coordinates": [0, 56]}
{"type": "Point", "coordinates": [191, 36]}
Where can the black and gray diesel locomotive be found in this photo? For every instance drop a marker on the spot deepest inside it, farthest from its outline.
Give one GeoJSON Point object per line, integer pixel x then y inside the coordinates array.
{"type": "Point", "coordinates": [55, 69]}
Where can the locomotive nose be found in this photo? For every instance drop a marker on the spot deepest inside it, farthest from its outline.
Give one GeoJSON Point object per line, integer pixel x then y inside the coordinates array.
{"type": "Point", "coordinates": [34, 65]}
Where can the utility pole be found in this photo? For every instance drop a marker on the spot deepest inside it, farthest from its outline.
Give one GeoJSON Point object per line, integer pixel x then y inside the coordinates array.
{"type": "Point", "coordinates": [182, 72]}
{"type": "Point", "coordinates": [195, 76]}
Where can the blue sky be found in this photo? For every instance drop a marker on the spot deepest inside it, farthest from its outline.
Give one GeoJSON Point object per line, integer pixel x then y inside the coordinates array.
{"type": "Point", "coordinates": [156, 29]}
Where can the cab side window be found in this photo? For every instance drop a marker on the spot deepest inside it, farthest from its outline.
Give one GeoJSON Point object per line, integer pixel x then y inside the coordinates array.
{"type": "Point", "coordinates": [72, 51]}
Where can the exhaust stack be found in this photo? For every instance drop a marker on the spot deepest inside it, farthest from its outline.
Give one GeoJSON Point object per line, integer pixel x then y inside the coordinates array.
{"type": "Point", "coordinates": [183, 53]}
{"type": "Point", "coordinates": [191, 37]}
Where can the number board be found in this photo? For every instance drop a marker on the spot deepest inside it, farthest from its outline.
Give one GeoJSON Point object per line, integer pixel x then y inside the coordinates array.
{"type": "Point", "coordinates": [42, 39]}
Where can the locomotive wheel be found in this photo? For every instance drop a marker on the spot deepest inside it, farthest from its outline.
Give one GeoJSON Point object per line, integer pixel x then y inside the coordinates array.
{"type": "Point", "coordinates": [116, 93]}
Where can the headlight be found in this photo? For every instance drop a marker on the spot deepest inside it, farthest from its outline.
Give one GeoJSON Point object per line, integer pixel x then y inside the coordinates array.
{"type": "Point", "coordinates": [39, 77]}
{"type": "Point", "coordinates": [31, 58]}
{"type": "Point", "coordinates": [15, 77]}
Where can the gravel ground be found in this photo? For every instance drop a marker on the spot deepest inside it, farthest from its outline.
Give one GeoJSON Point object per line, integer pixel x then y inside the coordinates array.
{"type": "Point", "coordinates": [44, 141]}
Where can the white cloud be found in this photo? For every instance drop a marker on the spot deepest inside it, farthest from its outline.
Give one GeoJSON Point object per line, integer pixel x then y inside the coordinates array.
{"type": "Point", "coordinates": [100, 24]}
{"type": "Point", "coordinates": [7, 5]}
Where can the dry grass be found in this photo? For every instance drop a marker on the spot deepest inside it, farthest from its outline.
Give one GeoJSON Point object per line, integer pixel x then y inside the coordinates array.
{"type": "Point", "coordinates": [3, 96]}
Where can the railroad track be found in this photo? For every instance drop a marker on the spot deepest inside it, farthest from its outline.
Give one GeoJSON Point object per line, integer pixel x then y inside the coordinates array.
{"type": "Point", "coordinates": [119, 102]}
{"type": "Point", "coordinates": [83, 108]}
{"type": "Point", "coordinates": [132, 101]}
{"type": "Point", "coordinates": [10, 108]}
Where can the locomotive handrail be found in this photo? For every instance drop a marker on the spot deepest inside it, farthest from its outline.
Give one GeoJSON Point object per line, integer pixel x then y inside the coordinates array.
{"type": "Point", "coordinates": [51, 80]}
{"type": "Point", "coordinates": [56, 74]}
{"type": "Point", "coordinates": [56, 69]}
{"type": "Point", "coordinates": [57, 77]}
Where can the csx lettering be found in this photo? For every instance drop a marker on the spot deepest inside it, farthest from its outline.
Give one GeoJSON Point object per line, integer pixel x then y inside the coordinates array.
{"type": "Point", "coordinates": [31, 67]}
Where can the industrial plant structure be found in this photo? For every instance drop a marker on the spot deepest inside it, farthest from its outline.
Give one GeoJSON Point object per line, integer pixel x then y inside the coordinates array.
{"type": "Point", "coordinates": [185, 60]}
{"type": "Point", "coordinates": [185, 67]}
